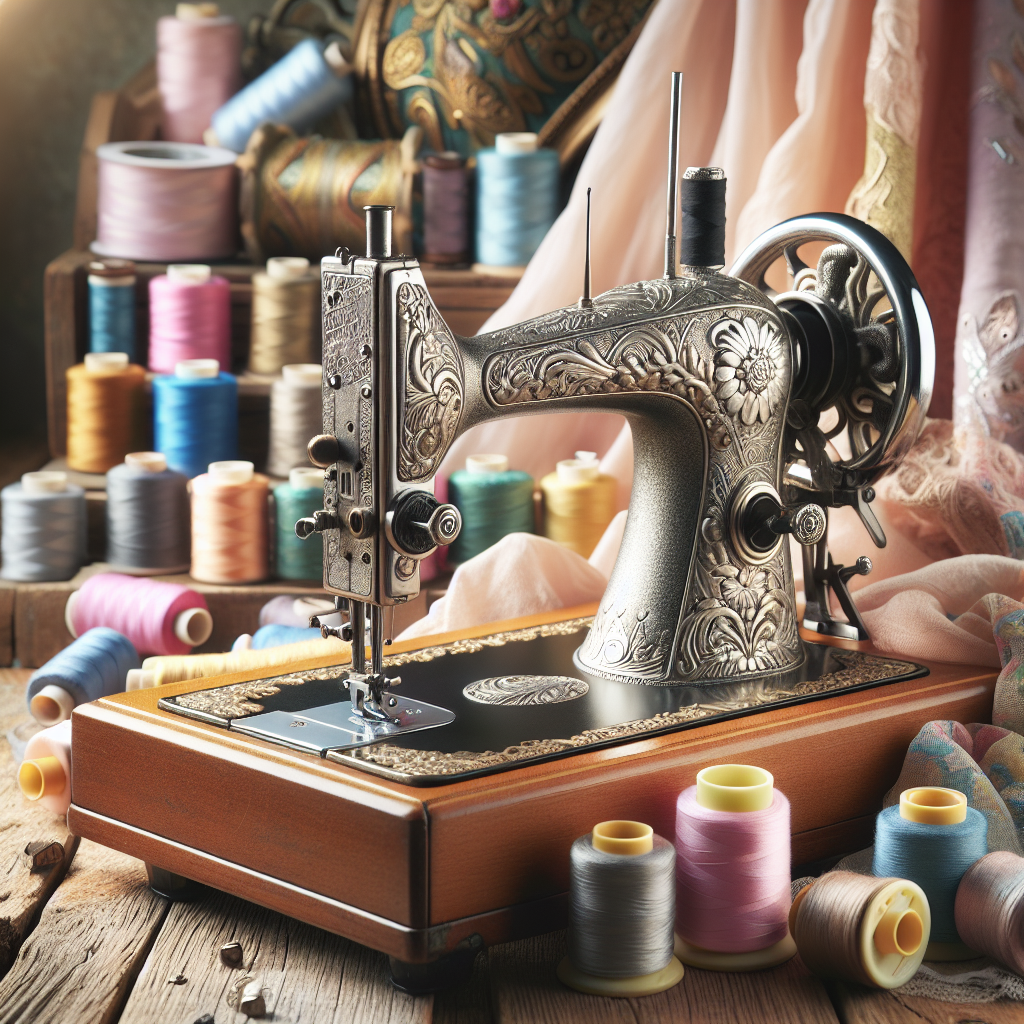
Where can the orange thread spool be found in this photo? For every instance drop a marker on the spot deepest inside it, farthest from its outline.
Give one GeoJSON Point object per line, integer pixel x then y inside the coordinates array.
{"type": "Point", "coordinates": [230, 534]}
{"type": "Point", "coordinates": [106, 410]}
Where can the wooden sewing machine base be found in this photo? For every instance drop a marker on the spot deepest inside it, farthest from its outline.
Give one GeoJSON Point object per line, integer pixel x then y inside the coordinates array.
{"type": "Point", "coordinates": [423, 871]}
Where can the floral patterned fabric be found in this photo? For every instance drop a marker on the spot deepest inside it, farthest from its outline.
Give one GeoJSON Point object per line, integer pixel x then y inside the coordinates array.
{"type": "Point", "coordinates": [984, 762]}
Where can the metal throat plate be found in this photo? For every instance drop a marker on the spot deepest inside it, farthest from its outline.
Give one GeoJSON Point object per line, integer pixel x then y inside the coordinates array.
{"type": "Point", "coordinates": [493, 703]}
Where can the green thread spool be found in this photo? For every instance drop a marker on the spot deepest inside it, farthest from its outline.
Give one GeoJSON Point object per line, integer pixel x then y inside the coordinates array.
{"type": "Point", "coordinates": [494, 501]}
{"type": "Point", "coordinates": [298, 499]}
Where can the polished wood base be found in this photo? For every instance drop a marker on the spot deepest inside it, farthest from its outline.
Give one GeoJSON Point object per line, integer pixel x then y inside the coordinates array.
{"type": "Point", "coordinates": [415, 871]}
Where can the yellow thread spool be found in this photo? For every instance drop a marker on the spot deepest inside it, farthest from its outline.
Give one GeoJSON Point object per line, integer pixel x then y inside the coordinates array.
{"type": "Point", "coordinates": [43, 776]}
{"type": "Point", "coordinates": [579, 503]}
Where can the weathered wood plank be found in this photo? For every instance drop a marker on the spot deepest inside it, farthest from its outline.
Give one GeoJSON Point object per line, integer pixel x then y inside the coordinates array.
{"type": "Point", "coordinates": [91, 940]}
{"type": "Point", "coordinates": [311, 976]}
{"type": "Point", "coordinates": [22, 892]}
{"type": "Point", "coordinates": [858, 1005]}
{"type": "Point", "coordinates": [526, 991]}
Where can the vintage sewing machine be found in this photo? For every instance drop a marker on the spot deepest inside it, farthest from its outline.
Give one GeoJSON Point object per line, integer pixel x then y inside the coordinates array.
{"type": "Point", "coordinates": [426, 818]}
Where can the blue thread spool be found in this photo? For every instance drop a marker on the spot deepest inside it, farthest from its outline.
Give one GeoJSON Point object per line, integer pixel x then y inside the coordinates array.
{"type": "Point", "coordinates": [932, 838]}
{"type": "Point", "coordinates": [278, 636]}
{"type": "Point", "coordinates": [195, 416]}
{"type": "Point", "coordinates": [298, 499]}
{"type": "Point", "coordinates": [494, 501]}
{"type": "Point", "coordinates": [95, 665]}
{"type": "Point", "coordinates": [517, 199]}
{"type": "Point", "coordinates": [112, 306]}
{"type": "Point", "coordinates": [305, 85]}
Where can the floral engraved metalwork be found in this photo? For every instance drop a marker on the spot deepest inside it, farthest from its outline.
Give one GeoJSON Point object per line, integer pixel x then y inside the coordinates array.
{"type": "Point", "coordinates": [857, 669]}
{"type": "Point", "coordinates": [237, 700]}
{"type": "Point", "coordinates": [749, 368]}
{"type": "Point", "coordinates": [710, 344]}
{"type": "Point", "coordinates": [434, 385]}
{"type": "Point", "coordinates": [519, 691]}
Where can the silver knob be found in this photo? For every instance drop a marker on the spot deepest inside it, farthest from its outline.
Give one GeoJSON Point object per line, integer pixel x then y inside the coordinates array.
{"type": "Point", "coordinates": [807, 523]}
{"type": "Point", "coordinates": [444, 524]}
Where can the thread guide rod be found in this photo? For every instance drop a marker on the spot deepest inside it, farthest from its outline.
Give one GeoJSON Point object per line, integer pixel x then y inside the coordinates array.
{"type": "Point", "coordinates": [586, 301]}
{"type": "Point", "coordinates": [673, 175]}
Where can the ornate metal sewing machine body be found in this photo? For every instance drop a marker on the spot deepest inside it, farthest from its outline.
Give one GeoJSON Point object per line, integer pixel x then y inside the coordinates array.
{"type": "Point", "coordinates": [465, 786]}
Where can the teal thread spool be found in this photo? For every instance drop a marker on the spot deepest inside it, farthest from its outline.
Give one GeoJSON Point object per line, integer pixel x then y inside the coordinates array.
{"type": "Point", "coordinates": [494, 501]}
{"type": "Point", "coordinates": [932, 838]}
{"type": "Point", "coordinates": [298, 499]}
{"type": "Point", "coordinates": [111, 286]}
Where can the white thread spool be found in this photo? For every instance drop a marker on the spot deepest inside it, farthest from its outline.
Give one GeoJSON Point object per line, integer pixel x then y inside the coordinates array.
{"type": "Point", "coordinates": [296, 415]}
{"type": "Point", "coordinates": [45, 773]}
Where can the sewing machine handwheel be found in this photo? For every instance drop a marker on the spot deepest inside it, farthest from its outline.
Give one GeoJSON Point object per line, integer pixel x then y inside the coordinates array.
{"type": "Point", "coordinates": [862, 364]}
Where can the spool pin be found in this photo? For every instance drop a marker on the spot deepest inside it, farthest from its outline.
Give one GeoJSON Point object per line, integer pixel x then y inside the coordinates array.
{"type": "Point", "coordinates": [735, 788]}
{"type": "Point", "coordinates": [624, 839]}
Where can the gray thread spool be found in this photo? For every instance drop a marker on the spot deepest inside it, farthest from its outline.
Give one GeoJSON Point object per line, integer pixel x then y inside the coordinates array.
{"type": "Point", "coordinates": [148, 524]}
{"type": "Point", "coordinates": [44, 528]}
{"type": "Point", "coordinates": [621, 911]}
{"type": "Point", "coordinates": [296, 415]}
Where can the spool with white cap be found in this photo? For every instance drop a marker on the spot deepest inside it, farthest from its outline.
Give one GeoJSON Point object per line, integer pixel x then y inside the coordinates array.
{"type": "Point", "coordinates": [296, 415]}
{"type": "Point", "coordinates": [45, 773]}
{"type": "Point", "coordinates": [493, 500]}
{"type": "Point", "coordinates": [285, 315]}
{"type": "Point", "coordinates": [44, 528]}
{"type": "Point", "coordinates": [196, 369]}
{"type": "Point", "coordinates": [579, 503]}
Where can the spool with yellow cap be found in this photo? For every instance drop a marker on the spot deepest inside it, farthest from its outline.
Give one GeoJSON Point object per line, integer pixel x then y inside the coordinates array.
{"type": "Point", "coordinates": [732, 871]}
{"type": "Point", "coordinates": [859, 928]}
{"type": "Point", "coordinates": [621, 909]}
{"type": "Point", "coordinates": [932, 838]}
{"type": "Point", "coordinates": [579, 503]}
{"type": "Point", "coordinates": [45, 774]}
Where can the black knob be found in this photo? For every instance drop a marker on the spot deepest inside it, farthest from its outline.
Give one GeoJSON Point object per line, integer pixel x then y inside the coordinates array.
{"type": "Point", "coordinates": [765, 519]}
{"type": "Point", "coordinates": [324, 450]}
{"type": "Point", "coordinates": [418, 523]}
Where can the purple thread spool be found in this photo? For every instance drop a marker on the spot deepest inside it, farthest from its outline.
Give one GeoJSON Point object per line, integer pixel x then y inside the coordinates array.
{"type": "Point", "coordinates": [445, 209]}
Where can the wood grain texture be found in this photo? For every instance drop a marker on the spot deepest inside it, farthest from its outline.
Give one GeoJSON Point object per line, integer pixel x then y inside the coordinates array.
{"type": "Point", "coordinates": [311, 976]}
{"type": "Point", "coordinates": [22, 893]}
{"type": "Point", "coordinates": [858, 1005]}
{"type": "Point", "coordinates": [92, 938]}
{"type": "Point", "coordinates": [525, 990]}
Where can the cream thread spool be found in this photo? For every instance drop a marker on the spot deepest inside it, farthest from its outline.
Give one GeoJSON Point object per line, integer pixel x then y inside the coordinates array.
{"type": "Point", "coordinates": [230, 529]}
{"type": "Point", "coordinates": [990, 908]}
{"type": "Point", "coordinates": [296, 415]}
{"type": "Point", "coordinates": [579, 503]}
{"type": "Point", "coordinates": [621, 908]}
{"type": "Point", "coordinates": [859, 928]}
{"type": "Point", "coordinates": [45, 773]}
{"type": "Point", "coordinates": [285, 315]}
{"type": "Point", "coordinates": [733, 817]}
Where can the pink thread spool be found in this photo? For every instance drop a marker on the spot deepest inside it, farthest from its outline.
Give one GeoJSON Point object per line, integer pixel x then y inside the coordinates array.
{"type": "Point", "coordinates": [198, 68]}
{"type": "Point", "coordinates": [166, 201]}
{"type": "Point", "coordinates": [189, 317]}
{"type": "Point", "coordinates": [732, 871]}
{"type": "Point", "coordinates": [158, 618]}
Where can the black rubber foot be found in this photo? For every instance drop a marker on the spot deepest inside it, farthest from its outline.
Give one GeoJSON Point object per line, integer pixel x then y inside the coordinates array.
{"type": "Point", "coordinates": [174, 887]}
{"type": "Point", "coordinates": [453, 969]}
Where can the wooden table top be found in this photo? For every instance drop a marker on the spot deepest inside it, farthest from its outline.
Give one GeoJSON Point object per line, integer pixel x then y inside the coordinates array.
{"type": "Point", "coordinates": [87, 941]}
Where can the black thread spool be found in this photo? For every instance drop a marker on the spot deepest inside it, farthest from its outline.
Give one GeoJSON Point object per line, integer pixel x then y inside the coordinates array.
{"type": "Point", "coordinates": [702, 197]}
